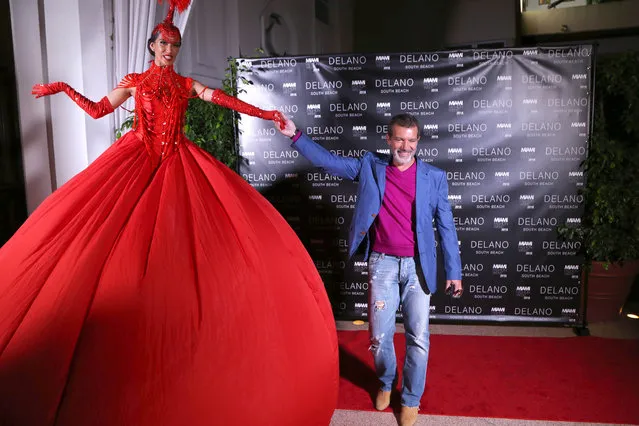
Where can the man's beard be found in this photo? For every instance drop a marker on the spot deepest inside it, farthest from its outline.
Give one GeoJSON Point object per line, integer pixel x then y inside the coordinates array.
{"type": "Point", "coordinates": [403, 160]}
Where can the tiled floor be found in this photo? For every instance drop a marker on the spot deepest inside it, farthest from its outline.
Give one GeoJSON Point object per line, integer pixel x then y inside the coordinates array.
{"type": "Point", "coordinates": [623, 328]}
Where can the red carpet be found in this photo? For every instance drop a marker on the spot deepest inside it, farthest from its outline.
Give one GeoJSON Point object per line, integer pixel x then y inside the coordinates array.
{"type": "Point", "coordinates": [580, 379]}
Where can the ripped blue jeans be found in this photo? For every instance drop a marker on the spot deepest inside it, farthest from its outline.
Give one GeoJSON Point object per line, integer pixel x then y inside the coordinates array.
{"type": "Point", "coordinates": [393, 279]}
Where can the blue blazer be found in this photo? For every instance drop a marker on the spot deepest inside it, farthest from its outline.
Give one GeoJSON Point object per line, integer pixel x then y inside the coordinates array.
{"type": "Point", "coordinates": [431, 205]}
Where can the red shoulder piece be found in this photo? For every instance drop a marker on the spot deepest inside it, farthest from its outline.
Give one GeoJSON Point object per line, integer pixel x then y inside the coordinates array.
{"type": "Point", "coordinates": [129, 80]}
{"type": "Point", "coordinates": [188, 83]}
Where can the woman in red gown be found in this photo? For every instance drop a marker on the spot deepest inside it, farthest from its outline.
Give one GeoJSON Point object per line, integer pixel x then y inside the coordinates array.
{"type": "Point", "coordinates": [158, 288]}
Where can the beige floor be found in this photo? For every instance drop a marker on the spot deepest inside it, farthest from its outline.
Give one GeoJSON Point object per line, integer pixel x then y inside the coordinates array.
{"type": "Point", "coordinates": [623, 328]}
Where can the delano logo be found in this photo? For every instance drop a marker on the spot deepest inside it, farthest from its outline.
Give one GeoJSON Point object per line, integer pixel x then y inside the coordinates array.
{"type": "Point", "coordinates": [315, 197]}
{"type": "Point", "coordinates": [314, 110]}
{"type": "Point", "coordinates": [580, 76]}
{"type": "Point", "coordinates": [497, 310]}
{"type": "Point", "coordinates": [504, 125]}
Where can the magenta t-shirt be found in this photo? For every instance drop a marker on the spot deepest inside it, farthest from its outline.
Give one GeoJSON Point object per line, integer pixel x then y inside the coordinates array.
{"type": "Point", "coordinates": [393, 229]}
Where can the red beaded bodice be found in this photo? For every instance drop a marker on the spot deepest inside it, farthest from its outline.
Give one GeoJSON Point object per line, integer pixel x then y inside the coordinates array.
{"type": "Point", "coordinates": [161, 99]}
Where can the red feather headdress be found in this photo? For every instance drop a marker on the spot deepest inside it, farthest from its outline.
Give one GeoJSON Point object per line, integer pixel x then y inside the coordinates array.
{"type": "Point", "coordinates": [167, 26]}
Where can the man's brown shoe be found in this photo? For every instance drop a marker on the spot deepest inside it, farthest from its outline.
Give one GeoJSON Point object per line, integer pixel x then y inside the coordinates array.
{"type": "Point", "coordinates": [408, 416]}
{"type": "Point", "coordinates": [383, 400]}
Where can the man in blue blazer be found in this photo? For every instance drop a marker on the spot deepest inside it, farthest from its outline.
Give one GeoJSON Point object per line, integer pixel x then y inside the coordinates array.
{"type": "Point", "coordinates": [398, 200]}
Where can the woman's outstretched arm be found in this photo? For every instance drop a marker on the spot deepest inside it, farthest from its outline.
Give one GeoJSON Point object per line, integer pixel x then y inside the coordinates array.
{"type": "Point", "coordinates": [219, 97]}
{"type": "Point", "coordinates": [95, 109]}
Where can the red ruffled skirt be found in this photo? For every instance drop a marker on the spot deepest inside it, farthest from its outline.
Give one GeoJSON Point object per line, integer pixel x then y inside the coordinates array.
{"type": "Point", "coordinates": [170, 295]}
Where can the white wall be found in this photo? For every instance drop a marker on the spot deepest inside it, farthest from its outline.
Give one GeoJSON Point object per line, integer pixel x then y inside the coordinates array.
{"type": "Point", "coordinates": [211, 35]}
{"type": "Point", "coordinates": [64, 40]}
{"type": "Point", "coordinates": [33, 115]}
{"type": "Point", "coordinates": [218, 29]}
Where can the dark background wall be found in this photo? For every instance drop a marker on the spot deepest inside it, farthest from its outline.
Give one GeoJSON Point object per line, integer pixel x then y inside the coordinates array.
{"type": "Point", "coordinates": [13, 209]}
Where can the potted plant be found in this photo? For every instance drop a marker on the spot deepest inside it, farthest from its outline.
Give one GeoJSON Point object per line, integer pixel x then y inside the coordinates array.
{"type": "Point", "coordinates": [609, 229]}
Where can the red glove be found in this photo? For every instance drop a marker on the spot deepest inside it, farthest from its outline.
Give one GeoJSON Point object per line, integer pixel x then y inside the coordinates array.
{"type": "Point", "coordinates": [95, 110]}
{"type": "Point", "coordinates": [219, 97]}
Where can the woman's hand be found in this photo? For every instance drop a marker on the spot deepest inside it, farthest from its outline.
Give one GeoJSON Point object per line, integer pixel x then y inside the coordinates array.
{"type": "Point", "coordinates": [285, 125]}
{"type": "Point", "coordinates": [40, 90]}
{"type": "Point", "coordinates": [279, 119]}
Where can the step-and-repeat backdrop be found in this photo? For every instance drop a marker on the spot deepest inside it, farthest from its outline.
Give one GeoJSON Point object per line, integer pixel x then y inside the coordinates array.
{"type": "Point", "coordinates": [510, 128]}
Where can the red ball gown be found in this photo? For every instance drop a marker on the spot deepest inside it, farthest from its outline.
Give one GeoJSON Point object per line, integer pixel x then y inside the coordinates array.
{"type": "Point", "coordinates": [159, 288]}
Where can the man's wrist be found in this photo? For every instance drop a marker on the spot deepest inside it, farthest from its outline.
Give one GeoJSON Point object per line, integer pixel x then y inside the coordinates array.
{"type": "Point", "coordinates": [296, 135]}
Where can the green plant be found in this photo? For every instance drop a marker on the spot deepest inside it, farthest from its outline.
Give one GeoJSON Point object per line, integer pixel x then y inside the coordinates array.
{"type": "Point", "coordinates": [609, 230]}
{"type": "Point", "coordinates": [210, 126]}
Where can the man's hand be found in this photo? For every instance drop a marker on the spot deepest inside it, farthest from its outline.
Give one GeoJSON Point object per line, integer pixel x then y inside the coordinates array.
{"type": "Point", "coordinates": [454, 288]}
{"type": "Point", "coordinates": [286, 126]}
